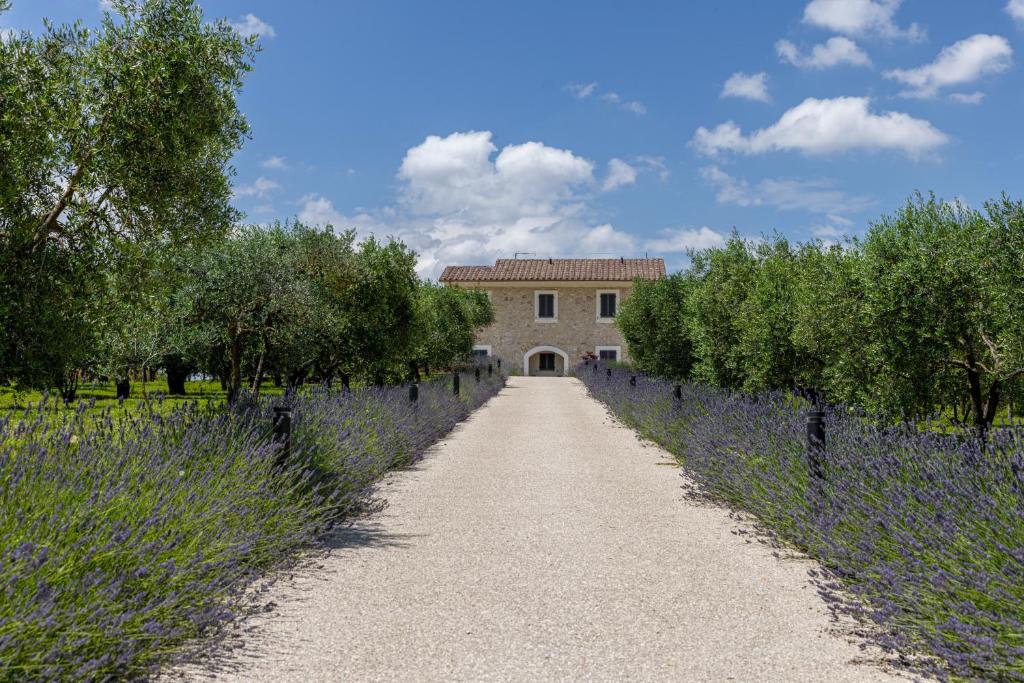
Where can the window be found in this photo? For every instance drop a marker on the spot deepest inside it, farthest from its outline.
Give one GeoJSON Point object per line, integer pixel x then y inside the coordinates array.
{"type": "Point", "coordinates": [481, 351]}
{"type": "Point", "coordinates": [608, 353]}
{"type": "Point", "coordinates": [607, 305]}
{"type": "Point", "coordinates": [546, 361]}
{"type": "Point", "coordinates": [546, 306]}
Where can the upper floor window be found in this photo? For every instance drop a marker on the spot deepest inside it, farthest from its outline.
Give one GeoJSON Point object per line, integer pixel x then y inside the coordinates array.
{"type": "Point", "coordinates": [607, 304]}
{"type": "Point", "coordinates": [546, 306]}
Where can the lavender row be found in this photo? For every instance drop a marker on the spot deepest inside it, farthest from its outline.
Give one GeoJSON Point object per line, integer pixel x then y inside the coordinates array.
{"type": "Point", "coordinates": [921, 534]}
{"type": "Point", "coordinates": [127, 543]}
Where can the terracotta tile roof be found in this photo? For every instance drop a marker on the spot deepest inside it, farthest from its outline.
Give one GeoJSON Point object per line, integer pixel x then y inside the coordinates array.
{"type": "Point", "coordinates": [564, 269]}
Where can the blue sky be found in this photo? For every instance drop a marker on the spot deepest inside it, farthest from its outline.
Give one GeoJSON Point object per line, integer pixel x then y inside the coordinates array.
{"type": "Point", "coordinates": [473, 130]}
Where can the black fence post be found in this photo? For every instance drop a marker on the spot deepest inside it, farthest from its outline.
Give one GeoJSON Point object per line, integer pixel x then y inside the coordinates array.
{"type": "Point", "coordinates": [816, 444]}
{"type": "Point", "coordinates": [345, 381]}
{"type": "Point", "coordinates": [455, 383]}
{"type": "Point", "coordinates": [677, 392]}
{"type": "Point", "coordinates": [609, 375]}
{"type": "Point", "coordinates": [490, 369]}
{"type": "Point", "coordinates": [283, 434]}
{"type": "Point", "coordinates": [595, 367]}
{"type": "Point", "coordinates": [499, 365]}
{"type": "Point", "coordinates": [414, 392]}
{"type": "Point", "coordinates": [476, 373]}
{"type": "Point", "coordinates": [632, 380]}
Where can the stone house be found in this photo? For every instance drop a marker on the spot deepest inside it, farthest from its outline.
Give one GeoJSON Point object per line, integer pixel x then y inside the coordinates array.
{"type": "Point", "coordinates": [550, 313]}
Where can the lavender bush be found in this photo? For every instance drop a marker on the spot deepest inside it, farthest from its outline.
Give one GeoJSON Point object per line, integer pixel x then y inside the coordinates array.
{"type": "Point", "coordinates": [122, 541]}
{"type": "Point", "coordinates": [922, 533]}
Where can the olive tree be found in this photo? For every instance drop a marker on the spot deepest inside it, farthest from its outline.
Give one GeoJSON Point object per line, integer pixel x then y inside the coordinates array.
{"type": "Point", "coordinates": [714, 308]}
{"type": "Point", "coordinates": [109, 138]}
{"type": "Point", "coordinates": [943, 295]}
{"type": "Point", "coordinates": [653, 322]}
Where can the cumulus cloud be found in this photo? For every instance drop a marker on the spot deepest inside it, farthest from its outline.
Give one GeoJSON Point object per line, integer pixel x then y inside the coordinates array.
{"type": "Point", "coordinates": [747, 86]}
{"type": "Point", "coordinates": [619, 173]}
{"type": "Point", "coordinates": [634, 107]}
{"type": "Point", "coordinates": [787, 194]}
{"type": "Point", "coordinates": [684, 239]}
{"type": "Point", "coordinates": [652, 163]}
{"type": "Point", "coordinates": [860, 17]}
{"type": "Point", "coordinates": [275, 163]}
{"type": "Point", "coordinates": [318, 210]}
{"type": "Point", "coordinates": [825, 126]}
{"type": "Point", "coordinates": [251, 25]}
{"type": "Point", "coordinates": [1015, 8]}
{"type": "Point", "coordinates": [833, 52]}
{"type": "Point", "coordinates": [581, 90]}
{"type": "Point", "coordinates": [967, 98]}
{"type": "Point", "coordinates": [962, 62]}
{"type": "Point", "coordinates": [463, 200]}
{"type": "Point", "coordinates": [261, 187]}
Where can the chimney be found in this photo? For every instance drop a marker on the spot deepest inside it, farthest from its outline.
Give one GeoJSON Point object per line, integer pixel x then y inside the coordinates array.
{"type": "Point", "coordinates": [550, 261]}
{"type": "Point", "coordinates": [622, 259]}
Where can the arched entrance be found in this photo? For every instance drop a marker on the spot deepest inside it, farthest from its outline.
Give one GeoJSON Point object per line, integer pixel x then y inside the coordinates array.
{"type": "Point", "coordinates": [545, 361]}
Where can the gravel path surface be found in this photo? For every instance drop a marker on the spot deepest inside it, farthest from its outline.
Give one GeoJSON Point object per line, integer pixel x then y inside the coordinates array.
{"type": "Point", "coordinates": [542, 541]}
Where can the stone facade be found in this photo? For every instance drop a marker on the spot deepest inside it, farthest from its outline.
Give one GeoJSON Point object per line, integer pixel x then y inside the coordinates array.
{"type": "Point", "coordinates": [576, 330]}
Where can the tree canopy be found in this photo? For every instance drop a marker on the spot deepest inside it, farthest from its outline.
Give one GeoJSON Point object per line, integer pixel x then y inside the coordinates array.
{"type": "Point", "coordinates": [927, 310]}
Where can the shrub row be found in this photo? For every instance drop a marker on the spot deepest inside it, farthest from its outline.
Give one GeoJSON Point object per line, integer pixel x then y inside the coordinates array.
{"type": "Point", "coordinates": [922, 533]}
{"type": "Point", "coordinates": [124, 542]}
{"type": "Point", "coordinates": [924, 314]}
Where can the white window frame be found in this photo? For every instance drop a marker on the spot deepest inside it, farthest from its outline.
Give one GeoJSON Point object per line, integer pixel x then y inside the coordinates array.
{"type": "Point", "coordinates": [536, 306]}
{"type": "Point", "coordinates": [616, 349]}
{"type": "Point", "coordinates": [597, 304]}
{"type": "Point", "coordinates": [483, 347]}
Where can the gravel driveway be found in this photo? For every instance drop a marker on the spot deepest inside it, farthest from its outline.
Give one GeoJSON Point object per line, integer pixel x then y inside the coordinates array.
{"type": "Point", "coordinates": [541, 541]}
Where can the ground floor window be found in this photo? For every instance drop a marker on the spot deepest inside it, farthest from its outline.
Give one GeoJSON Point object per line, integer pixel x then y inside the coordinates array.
{"type": "Point", "coordinates": [608, 353]}
{"type": "Point", "coordinates": [546, 361]}
{"type": "Point", "coordinates": [481, 351]}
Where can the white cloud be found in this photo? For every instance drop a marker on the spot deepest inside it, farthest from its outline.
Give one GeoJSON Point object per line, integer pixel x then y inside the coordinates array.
{"type": "Point", "coordinates": [261, 187]}
{"type": "Point", "coordinates": [318, 210]}
{"type": "Point", "coordinates": [825, 126]}
{"type": "Point", "coordinates": [604, 239]}
{"type": "Point", "coordinates": [967, 98]}
{"type": "Point", "coordinates": [747, 86]}
{"type": "Point", "coordinates": [833, 52]}
{"type": "Point", "coordinates": [463, 200]}
{"type": "Point", "coordinates": [653, 163]}
{"type": "Point", "coordinates": [275, 163]}
{"type": "Point", "coordinates": [786, 194]}
{"type": "Point", "coordinates": [683, 239]}
{"type": "Point", "coordinates": [635, 107]}
{"type": "Point", "coordinates": [860, 17]}
{"type": "Point", "coordinates": [251, 25]}
{"type": "Point", "coordinates": [619, 173]}
{"type": "Point", "coordinates": [1015, 8]}
{"type": "Point", "coordinates": [581, 90]}
{"type": "Point", "coordinates": [962, 62]}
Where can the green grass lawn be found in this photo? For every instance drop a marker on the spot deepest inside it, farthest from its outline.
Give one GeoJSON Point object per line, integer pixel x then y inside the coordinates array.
{"type": "Point", "coordinates": [101, 395]}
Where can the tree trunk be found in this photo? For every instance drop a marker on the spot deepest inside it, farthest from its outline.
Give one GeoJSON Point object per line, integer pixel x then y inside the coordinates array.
{"type": "Point", "coordinates": [414, 371]}
{"type": "Point", "coordinates": [177, 373]}
{"type": "Point", "coordinates": [257, 379]}
{"type": "Point", "coordinates": [235, 379]}
{"type": "Point", "coordinates": [123, 387]}
{"type": "Point", "coordinates": [984, 410]}
{"type": "Point", "coordinates": [69, 386]}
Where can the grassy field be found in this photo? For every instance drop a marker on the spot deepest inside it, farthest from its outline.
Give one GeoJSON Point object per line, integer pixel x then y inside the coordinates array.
{"type": "Point", "coordinates": [102, 394]}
